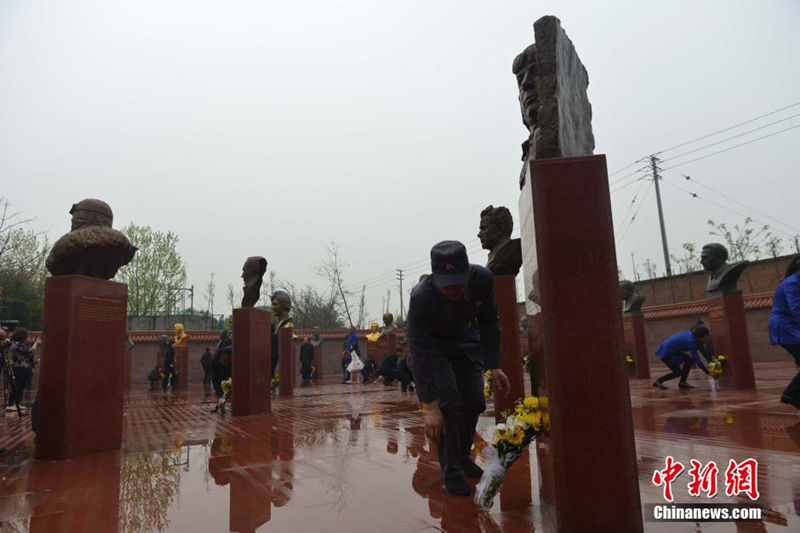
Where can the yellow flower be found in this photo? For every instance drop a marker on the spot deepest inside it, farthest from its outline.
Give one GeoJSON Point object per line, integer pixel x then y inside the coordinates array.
{"type": "Point", "coordinates": [531, 402]}
{"type": "Point", "coordinates": [533, 420]}
{"type": "Point", "coordinates": [546, 421]}
{"type": "Point", "coordinates": [516, 437]}
{"type": "Point", "coordinates": [721, 357]}
{"type": "Point", "coordinates": [544, 402]}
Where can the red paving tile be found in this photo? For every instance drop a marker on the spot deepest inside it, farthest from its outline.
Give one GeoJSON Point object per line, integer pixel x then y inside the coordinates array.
{"type": "Point", "coordinates": [354, 458]}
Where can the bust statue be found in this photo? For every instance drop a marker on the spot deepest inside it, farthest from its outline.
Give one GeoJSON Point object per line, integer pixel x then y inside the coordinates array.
{"type": "Point", "coordinates": [373, 335]}
{"type": "Point", "coordinates": [632, 301]}
{"type": "Point", "coordinates": [91, 248]}
{"type": "Point", "coordinates": [181, 338]}
{"type": "Point", "coordinates": [505, 253]}
{"type": "Point", "coordinates": [724, 275]}
{"type": "Point", "coordinates": [316, 337]}
{"type": "Point", "coordinates": [252, 274]}
{"type": "Point", "coordinates": [388, 324]}
{"type": "Point", "coordinates": [281, 305]}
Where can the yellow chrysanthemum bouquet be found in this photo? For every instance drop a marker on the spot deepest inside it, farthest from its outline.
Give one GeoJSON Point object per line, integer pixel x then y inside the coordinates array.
{"type": "Point", "coordinates": [715, 367]}
{"type": "Point", "coordinates": [529, 419]}
{"type": "Point", "coordinates": [488, 384]}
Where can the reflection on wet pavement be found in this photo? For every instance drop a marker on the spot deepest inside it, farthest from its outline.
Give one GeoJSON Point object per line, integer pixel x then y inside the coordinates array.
{"type": "Point", "coordinates": [355, 458]}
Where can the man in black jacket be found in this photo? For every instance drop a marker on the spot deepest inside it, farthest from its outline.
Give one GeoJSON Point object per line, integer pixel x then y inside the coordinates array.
{"type": "Point", "coordinates": [306, 359]}
{"type": "Point", "coordinates": [454, 333]}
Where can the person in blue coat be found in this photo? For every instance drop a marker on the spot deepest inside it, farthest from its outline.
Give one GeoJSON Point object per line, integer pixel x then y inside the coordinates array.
{"type": "Point", "coordinates": [784, 325]}
{"type": "Point", "coordinates": [674, 352]}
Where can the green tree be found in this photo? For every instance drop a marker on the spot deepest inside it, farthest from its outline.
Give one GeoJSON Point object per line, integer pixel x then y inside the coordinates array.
{"type": "Point", "coordinates": [22, 271]}
{"type": "Point", "coordinates": [156, 273]}
{"type": "Point", "coordinates": [690, 262]}
{"type": "Point", "coordinates": [743, 242]}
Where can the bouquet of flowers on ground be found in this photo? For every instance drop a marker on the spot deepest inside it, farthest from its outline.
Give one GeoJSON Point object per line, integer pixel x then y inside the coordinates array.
{"type": "Point", "coordinates": [509, 440]}
{"type": "Point", "coordinates": [276, 380]}
{"type": "Point", "coordinates": [227, 387]}
{"type": "Point", "coordinates": [629, 360]}
{"type": "Point", "coordinates": [715, 367]}
{"type": "Point", "coordinates": [488, 384]}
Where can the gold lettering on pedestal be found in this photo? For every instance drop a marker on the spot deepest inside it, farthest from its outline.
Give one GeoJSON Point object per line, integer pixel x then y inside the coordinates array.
{"type": "Point", "coordinates": [97, 309]}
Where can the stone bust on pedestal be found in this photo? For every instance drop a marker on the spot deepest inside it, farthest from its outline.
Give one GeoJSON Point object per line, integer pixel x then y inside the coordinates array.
{"type": "Point", "coordinates": [388, 324]}
{"type": "Point", "coordinates": [724, 276]}
{"type": "Point", "coordinates": [505, 253]}
{"type": "Point", "coordinates": [373, 335]}
{"type": "Point", "coordinates": [253, 274]}
{"type": "Point", "coordinates": [181, 338]}
{"type": "Point", "coordinates": [632, 301]}
{"type": "Point", "coordinates": [316, 336]}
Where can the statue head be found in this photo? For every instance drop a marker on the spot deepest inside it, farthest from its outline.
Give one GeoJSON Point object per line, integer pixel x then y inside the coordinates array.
{"type": "Point", "coordinates": [306, 341]}
{"type": "Point", "coordinates": [179, 331]}
{"type": "Point", "coordinates": [388, 318]}
{"type": "Point", "coordinates": [626, 289]}
{"type": "Point", "coordinates": [374, 327]}
{"type": "Point", "coordinates": [91, 212]}
{"type": "Point", "coordinates": [713, 256]}
{"type": "Point", "coordinates": [252, 274]}
{"type": "Point", "coordinates": [316, 333]}
{"type": "Point", "coordinates": [524, 68]}
{"type": "Point", "coordinates": [495, 227]}
{"type": "Point", "coordinates": [281, 303]}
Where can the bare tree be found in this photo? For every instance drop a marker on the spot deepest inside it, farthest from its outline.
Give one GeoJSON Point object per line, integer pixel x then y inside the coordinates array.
{"type": "Point", "coordinates": [362, 308]}
{"type": "Point", "coordinates": [331, 269]}
{"type": "Point", "coordinates": [690, 262]}
{"type": "Point", "coordinates": [388, 301]}
{"type": "Point", "coordinates": [210, 293]}
{"type": "Point", "coordinates": [231, 296]}
{"type": "Point", "coordinates": [311, 307]}
{"type": "Point", "coordinates": [651, 269]}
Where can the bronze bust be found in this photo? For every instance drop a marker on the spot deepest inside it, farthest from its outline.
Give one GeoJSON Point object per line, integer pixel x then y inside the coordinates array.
{"type": "Point", "coordinates": [632, 301]}
{"type": "Point", "coordinates": [505, 253]}
{"type": "Point", "coordinates": [253, 274]}
{"type": "Point", "coordinates": [724, 276]}
{"type": "Point", "coordinates": [92, 248]}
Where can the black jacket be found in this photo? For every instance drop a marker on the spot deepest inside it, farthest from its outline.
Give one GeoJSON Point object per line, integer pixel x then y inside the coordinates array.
{"type": "Point", "coordinates": [439, 329]}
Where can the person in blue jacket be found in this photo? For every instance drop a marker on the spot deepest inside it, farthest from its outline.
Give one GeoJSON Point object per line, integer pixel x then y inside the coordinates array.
{"type": "Point", "coordinates": [784, 325]}
{"type": "Point", "coordinates": [673, 353]}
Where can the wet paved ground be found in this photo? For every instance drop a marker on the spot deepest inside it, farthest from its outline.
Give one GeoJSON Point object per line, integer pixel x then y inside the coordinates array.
{"type": "Point", "coordinates": [354, 458]}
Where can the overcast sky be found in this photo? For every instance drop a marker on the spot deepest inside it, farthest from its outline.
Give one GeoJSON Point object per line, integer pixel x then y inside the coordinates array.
{"type": "Point", "coordinates": [274, 128]}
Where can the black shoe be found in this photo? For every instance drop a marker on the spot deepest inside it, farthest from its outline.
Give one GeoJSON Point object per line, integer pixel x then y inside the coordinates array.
{"type": "Point", "coordinates": [785, 398]}
{"type": "Point", "coordinates": [659, 385]}
{"type": "Point", "coordinates": [685, 386]}
{"type": "Point", "coordinates": [471, 469]}
{"type": "Point", "coordinates": [458, 486]}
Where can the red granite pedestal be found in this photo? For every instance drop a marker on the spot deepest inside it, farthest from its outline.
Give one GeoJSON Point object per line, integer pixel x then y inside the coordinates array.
{"type": "Point", "coordinates": [636, 344]}
{"type": "Point", "coordinates": [182, 365]}
{"type": "Point", "coordinates": [251, 354]}
{"type": "Point", "coordinates": [729, 333]}
{"type": "Point", "coordinates": [382, 347]}
{"type": "Point", "coordinates": [317, 364]}
{"type": "Point", "coordinates": [505, 295]}
{"type": "Point", "coordinates": [594, 456]}
{"type": "Point", "coordinates": [82, 367]}
{"type": "Point", "coordinates": [286, 362]}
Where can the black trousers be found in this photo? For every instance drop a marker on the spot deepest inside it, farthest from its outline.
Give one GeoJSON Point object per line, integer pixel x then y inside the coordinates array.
{"type": "Point", "coordinates": [22, 375]}
{"type": "Point", "coordinates": [793, 389]}
{"type": "Point", "coordinates": [460, 388]}
{"type": "Point", "coordinates": [679, 363]}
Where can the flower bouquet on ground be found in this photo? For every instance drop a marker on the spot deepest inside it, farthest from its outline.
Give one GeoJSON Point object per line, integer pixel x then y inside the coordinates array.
{"type": "Point", "coordinates": [488, 384]}
{"type": "Point", "coordinates": [715, 367]}
{"type": "Point", "coordinates": [629, 360]}
{"type": "Point", "coordinates": [276, 380]}
{"type": "Point", "coordinates": [529, 419]}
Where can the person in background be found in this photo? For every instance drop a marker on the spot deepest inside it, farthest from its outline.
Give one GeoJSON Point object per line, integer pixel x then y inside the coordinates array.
{"type": "Point", "coordinates": [221, 364]}
{"type": "Point", "coordinates": [205, 362]}
{"type": "Point", "coordinates": [169, 367]}
{"type": "Point", "coordinates": [404, 374]}
{"type": "Point", "coordinates": [368, 372]}
{"type": "Point", "coordinates": [21, 354]}
{"type": "Point", "coordinates": [306, 359]}
{"type": "Point", "coordinates": [784, 325]}
{"type": "Point", "coordinates": [387, 370]}
{"type": "Point", "coordinates": [673, 353]}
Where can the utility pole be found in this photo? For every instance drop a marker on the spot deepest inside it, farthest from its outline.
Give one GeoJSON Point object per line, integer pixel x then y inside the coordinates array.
{"type": "Point", "coordinates": [402, 306]}
{"type": "Point", "coordinates": [654, 164]}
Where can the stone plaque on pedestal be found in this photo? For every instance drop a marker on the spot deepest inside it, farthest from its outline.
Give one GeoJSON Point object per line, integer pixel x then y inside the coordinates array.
{"type": "Point", "coordinates": [286, 361]}
{"type": "Point", "coordinates": [636, 345]}
{"type": "Point", "coordinates": [251, 352]}
{"type": "Point", "coordinates": [82, 367]}
{"type": "Point", "coordinates": [729, 335]}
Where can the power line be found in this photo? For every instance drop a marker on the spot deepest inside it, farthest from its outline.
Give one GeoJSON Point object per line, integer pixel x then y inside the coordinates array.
{"type": "Point", "coordinates": [624, 217]}
{"type": "Point", "coordinates": [738, 202]}
{"type": "Point", "coordinates": [635, 214]}
{"type": "Point", "coordinates": [726, 208]}
{"type": "Point", "coordinates": [734, 147]}
{"type": "Point", "coordinates": [729, 128]}
{"type": "Point", "coordinates": [731, 137]}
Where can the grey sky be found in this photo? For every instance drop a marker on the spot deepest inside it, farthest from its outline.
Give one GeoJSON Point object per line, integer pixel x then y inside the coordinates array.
{"type": "Point", "coordinates": [272, 128]}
